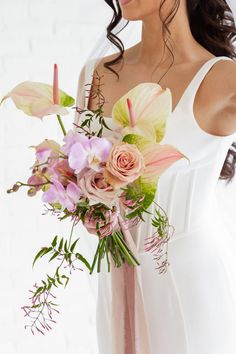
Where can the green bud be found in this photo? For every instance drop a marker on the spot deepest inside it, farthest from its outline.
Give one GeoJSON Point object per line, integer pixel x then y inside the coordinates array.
{"type": "Point", "coordinates": [31, 192]}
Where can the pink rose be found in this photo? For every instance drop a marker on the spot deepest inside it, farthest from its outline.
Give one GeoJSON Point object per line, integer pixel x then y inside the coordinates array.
{"type": "Point", "coordinates": [124, 165]}
{"type": "Point", "coordinates": [96, 188]}
{"type": "Point", "coordinates": [106, 227]}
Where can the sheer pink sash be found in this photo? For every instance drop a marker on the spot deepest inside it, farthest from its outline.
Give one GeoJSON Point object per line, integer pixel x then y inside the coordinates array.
{"type": "Point", "coordinates": [130, 332]}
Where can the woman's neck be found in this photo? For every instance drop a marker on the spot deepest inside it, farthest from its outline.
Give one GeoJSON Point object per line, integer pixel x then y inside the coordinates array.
{"type": "Point", "coordinates": [151, 49]}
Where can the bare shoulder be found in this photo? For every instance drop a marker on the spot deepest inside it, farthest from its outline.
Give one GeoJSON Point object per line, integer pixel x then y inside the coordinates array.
{"type": "Point", "coordinates": [225, 72]}
{"type": "Point", "coordinates": [100, 65]}
{"type": "Point", "coordinates": [218, 98]}
{"type": "Point", "coordinates": [222, 78]}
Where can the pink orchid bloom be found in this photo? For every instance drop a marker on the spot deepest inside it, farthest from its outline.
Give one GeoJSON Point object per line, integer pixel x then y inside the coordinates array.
{"type": "Point", "coordinates": [48, 148]}
{"type": "Point", "coordinates": [49, 165]}
{"type": "Point", "coordinates": [55, 169]}
{"type": "Point", "coordinates": [36, 180]}
{"type": "Point", "coordinates": [89, 153]}
{"type": "Point", "coordinates": [65, 174]}
{"type": "Point", "coordinates": [67, 197]}
{"type": "Point", "coordinates": [70, 139]}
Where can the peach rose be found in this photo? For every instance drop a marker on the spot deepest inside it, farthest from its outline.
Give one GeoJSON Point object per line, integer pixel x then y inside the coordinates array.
{"type": "Point", "coordinates": [124, 165]}
{"type": "Point", "coordinates": [96, 188]}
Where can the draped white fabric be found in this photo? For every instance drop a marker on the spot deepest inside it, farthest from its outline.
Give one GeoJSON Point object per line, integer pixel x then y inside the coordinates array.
{"type": "Point", "coordinates": [130, 35]}
{"type": "Point", "coordinates": [205, 262]}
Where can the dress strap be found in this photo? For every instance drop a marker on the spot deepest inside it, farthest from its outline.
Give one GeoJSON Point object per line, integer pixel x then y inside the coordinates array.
{"type": "Point", "coordinates": [189, 94]}
{"type": "Point", "coordinates": [192, 89]}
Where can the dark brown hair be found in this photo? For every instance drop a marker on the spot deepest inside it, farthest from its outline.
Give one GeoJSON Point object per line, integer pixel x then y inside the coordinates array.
{"type": "Point", "coordinates": [212, 25]}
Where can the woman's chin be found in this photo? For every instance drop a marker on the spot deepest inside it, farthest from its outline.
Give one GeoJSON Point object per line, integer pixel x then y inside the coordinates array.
{"type": "Point", "coordinates": [130, 17]}
{"type": "Point", "coordinates": [131, 14]}
{"type": "Point", "coordinates": [129, 10]}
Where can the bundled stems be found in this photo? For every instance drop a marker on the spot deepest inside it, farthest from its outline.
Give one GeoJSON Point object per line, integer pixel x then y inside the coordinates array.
{"type": "Point", "coordinates": [118, 249]}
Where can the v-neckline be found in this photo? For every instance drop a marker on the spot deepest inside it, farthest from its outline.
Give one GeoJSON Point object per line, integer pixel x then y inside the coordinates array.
{"type": "Point", "coordinates": [182, 96]}
{"type": "Point", "coordinates": [202, 67]}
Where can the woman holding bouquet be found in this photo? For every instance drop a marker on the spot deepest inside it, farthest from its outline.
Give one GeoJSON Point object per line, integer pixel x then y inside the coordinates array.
{"type": "Point", "coordinates": [186, 49]}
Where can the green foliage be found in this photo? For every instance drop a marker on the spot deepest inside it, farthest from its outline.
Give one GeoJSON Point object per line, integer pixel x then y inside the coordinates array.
{"type": "Point", "coordinates": [84, 260]}
{"type": "Point", "coordinates": [55, 281]}
{"type": "Point", "coordinates": [63, 249]}
{"type": "Point", "coordinates": [97, 114]}
{"type": "Point", "coordinates": [54, 242]}
{"type": "Point", "coordinates": [73, 245]}
{"type": "Point", "coordinates": [160, 221]}
{"type": "Point", "coordinates": [133, 193]}
{"type": "Point", "coordinates": [67, 279]}
{"type": "Point", "coordinates": [42, 253]}
{"type": "Point", "coordinates": [54, 256]}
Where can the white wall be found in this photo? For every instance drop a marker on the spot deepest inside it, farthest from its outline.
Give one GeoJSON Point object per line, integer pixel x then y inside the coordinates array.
{"type": "Point", "coordinates": [33, 36]}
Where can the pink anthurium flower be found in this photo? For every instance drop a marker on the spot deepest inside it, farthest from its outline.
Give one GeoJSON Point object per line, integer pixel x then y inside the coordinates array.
{"type": "Point", "coordinates": [38, 99]}
{"type": "Point", "coordinates": [144, 110]}
{"type": "Point", "coordinates": [157, 158]}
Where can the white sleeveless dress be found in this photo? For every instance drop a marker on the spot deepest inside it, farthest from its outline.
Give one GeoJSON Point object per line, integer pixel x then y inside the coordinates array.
{"type": "Point", "coordinates": [191, 309]}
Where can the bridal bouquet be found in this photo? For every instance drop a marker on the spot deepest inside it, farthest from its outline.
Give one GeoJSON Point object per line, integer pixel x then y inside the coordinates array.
{"type": "Point", "coordinates": [105, 180]}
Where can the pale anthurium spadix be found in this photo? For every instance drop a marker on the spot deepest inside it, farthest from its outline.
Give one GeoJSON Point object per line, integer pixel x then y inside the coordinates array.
{"type": "Point", "coordinates": [144, 110]}
{"type": "Point", "coordinates": [38, 99]}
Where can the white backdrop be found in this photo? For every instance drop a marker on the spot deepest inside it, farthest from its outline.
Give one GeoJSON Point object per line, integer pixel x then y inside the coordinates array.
{"type": "Point", "coordinates": [34, 35]}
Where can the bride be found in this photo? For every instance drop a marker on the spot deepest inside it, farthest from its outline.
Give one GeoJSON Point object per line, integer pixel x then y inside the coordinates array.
{"type": "Point", "coordinates": [186, 46]}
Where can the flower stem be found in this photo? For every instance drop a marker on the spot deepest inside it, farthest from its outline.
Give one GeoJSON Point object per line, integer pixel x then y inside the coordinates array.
{"type": "Point", "coordinates": [95, 258]}
{"type": "Point", "coordinates": [33, 185]}
{"type": "Point", "coordinates": [107, 250]}
{"type": "Point", "coordinates": [71, 232]}
{"type": "Point", "coordinates": [100, 254]}
{"type": "Point", "coordinates": [61, 124]}
{"type": "Point", "coordinates": [125, 249]}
